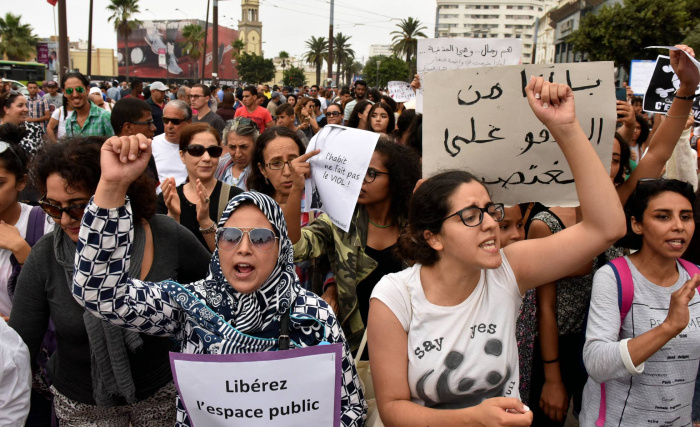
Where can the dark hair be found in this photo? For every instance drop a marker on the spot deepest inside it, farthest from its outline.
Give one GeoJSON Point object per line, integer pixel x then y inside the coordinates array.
{"type": "Point", "coordinates": [291, 95]}
{"type": "Point", "coordinates": [251, 89]}
{"type": "Point", "coordinates": [360, 107]}
{"type": "Point", "coordinates": [625, 168]}
{"type": "Point", "coordinates": [228, 100]}
{"type": "Point", "coordinates": [392, 119]}
{"type": "Point", "coordinates": [14, 160]}
{"type": "Point", "coordinates": [639, 201]}
{"type": "Point", "coordinates": [205, 89]}
{"type": "Point", "coordinates": [314, 86]}
{"type": "Point", "coordinates": [135, 83]}
{"type": "Point", "coordinates": [192, 129]}
{"type": "Point", "coordinates": [256, 181]}
{"type": "Point", "coordinates": [403, 124]}
{"type": "Point", "coordinates": [31, 82]}
{"type": "Point", "coordinates": [344, 91]}
{"type": "Point", "coordinates": [388, 100]}
{"type": "Point", "coordinates": [644, 132]}
{"type": "Point", "coordinates": [75, 75]}
{"type": "Point", "coordinates": [127, 110]}
{"type": "Point", "coordinates": [317, 102]}
{"type": "Point", "coordinates": [8, 98]}
{"type": "Point", "coordinates": [415, 135]}
{"type": "Point", "coordinates": [77, 160]}
{"type": "Point", "coordinates": [430, 204]}
{"type": "Point", "coordinates": [375, 94]}
{"type": "Point", "coordinates": [335, 104]}
{"type": "Point", "coordinates": [637, 100]}
{"type": "Point", "coordinates": [285, 109]}
{"type": "Point", "coordinates": [361, 83]}
{"type": "Point", "coordinates": [404, 171]}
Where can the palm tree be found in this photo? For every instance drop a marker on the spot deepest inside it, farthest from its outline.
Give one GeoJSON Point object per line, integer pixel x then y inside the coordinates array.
{"type": "Point", "coordinates": [284, 56]}
{"type": "Point", "coordinates": [238, 45]}
{"type": "Point", "coordinates": [193, 35]}
{"type": "Point", "coordinates": [16, 39]}
{"type": "Point", "coordinates": [317, 53]}
{"type": "Point", "coordinates": [405, 41]}
{"type": "Point", "coordinates": [352, 68]}
{"type": "Point", "coordinates": [123, 12]}
{"type": "Point", "coordinates": [341, 50]}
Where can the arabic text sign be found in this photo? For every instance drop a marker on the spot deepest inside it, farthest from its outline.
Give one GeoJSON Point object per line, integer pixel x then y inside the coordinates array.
{"type": "Point", "coordinates": [338, 171]}
{"type": "Point", "coordinates": [401, 91]}
{"type": "Point", "coordinates": [662, 87]}
{"type": "Point", "coordinates": [481, 121]}
{"type": "Point", "coordinates": [457, 53]}
{"type": "Point", "coordinates": [640, 75]}
{"type": "Point", "coordinates": [299, 387]}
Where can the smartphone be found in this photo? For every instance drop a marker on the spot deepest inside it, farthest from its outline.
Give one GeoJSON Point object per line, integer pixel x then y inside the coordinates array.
{"type": "Point", "coordinates": [621, 94]}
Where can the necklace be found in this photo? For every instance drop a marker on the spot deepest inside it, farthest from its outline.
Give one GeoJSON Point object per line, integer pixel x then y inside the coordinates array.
{"type": "Point", "coordinates": [380, 226]}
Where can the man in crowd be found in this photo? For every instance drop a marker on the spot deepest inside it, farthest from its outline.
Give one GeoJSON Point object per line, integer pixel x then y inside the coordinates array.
{"type": "Point", "coordinates": [183, 94]}
{"type": "Point", "coordinates": [360, 94]}
{"type": "Point", "coordinates": [166, 147]}
{"type": "Point", "coordinates": [262, 98]}
{"type": "Point", "coordinates": [136, 90]}
{"type": "Point", "coordinates": [124, 91]}
{"type": "Point", "coordinates": [96, 98]}
{"type": "Point", "coordinates": [220, 93]}
{"type": "Point", "coordinates": [272, 105]}
{"type": "Point", "coordinates": [172, 95]}
{"type": "Point", "coordinates": [199, 100]}
{"type": "Point", "coordinates": [157, 103]}
{"type": "Point", "coordinates": [39, 111]}
{"type": "Point", "coordinates": [319, 114]}
{"type": "Point", "coordinates": [87, 119]}
{"type": "Point", "coordinates": [314, 95]}
{"type": "Point", "coordinates": [132, 116]}
{"type": "Point", "coordinates": [251, 109]}
{"type": "Point", "coordinates": [53, 98]}
{"type": "Point", "coordinates": [344, 97]}
{"type": "Point", "coordinates": [113, 92]}
{"type": "Point", "coordinates": [285, 118]}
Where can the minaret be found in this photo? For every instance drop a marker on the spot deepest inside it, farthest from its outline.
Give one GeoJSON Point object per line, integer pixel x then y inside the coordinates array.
{"type": "Point", "coordinates": [250, 27]}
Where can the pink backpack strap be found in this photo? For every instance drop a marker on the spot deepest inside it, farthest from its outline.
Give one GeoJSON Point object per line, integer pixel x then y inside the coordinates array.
{"type": "Point", "coordinates": [691, 268]}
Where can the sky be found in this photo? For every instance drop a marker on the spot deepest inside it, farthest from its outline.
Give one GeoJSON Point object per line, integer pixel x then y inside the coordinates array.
{"type": "Point", "coordinates": [287, 24]}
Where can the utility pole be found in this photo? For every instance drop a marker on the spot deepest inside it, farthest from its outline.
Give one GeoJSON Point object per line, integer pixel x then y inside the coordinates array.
{"type": "Point", "coordinates": [62, 39]}
{"type": "Point", "coordinates": [437, 21]}
{"type": "Point", "coordinates": [89, 52]}
{"type": "Point", "coordinates": [204, 54]}
{"type": "Point", "coordinates": [215, 43]}
{"type": "Point", "coordinates": [167, 59]}
{"type": "Point", "coordinates": [330, 43]}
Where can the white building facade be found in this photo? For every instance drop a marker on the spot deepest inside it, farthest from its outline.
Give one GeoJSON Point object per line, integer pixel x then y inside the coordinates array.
{"type": "Point", "coordinates": [380, 49]}
{"type": "Point", "coordinates": [493, 19]}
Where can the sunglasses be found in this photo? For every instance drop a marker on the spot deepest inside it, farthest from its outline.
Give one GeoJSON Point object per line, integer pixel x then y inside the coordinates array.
{"type": "Point", "coordinates": [176, 122]}
{"type": "Point", "coordinates": [149, 123]}
{"type": "Point", "coordinates": [4, 146]}
{"type": "Point", "coordinates": [262, 239]}
{"type": "Point", "coordinates": [333, 114]}
{"type": "Point", "coordinates": [79, 89]}
{"type": "Point", "coordinates": [196, 150]}
{"type": "Point", "coordinates": [56, 212]}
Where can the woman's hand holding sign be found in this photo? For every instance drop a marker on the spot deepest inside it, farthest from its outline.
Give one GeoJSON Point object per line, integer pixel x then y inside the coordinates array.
{"type": "Point", "coordinates": [301, 169]}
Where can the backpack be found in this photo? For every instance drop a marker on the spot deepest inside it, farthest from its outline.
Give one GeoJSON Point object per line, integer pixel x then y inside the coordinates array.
{"type": "Point", "coordinates": [35, 230]}
{"type": "Point", "coordinates": [625, 296]}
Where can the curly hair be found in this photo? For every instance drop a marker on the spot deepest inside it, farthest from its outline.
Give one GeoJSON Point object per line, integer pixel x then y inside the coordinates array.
{"type": "Point", "coordinates": [77, 161]}
{"type": "Point", "coordinates": [404, 172]}
{"type": "Point", "coordinates": [256, 180]}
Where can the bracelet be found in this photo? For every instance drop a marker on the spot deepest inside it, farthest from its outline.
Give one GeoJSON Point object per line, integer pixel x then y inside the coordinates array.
{"type": "Point", "coordinates": [208, 230]}
{"type": "Point", "coordinates": [687, 98]}
{"type": "Point", "coordinates": [546, 362]}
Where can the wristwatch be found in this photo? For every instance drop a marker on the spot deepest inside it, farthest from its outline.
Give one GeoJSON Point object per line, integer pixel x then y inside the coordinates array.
{"type": "Point", "coordinates": [208, 230]}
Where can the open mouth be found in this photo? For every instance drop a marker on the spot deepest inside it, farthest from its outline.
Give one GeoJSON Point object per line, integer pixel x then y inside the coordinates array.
{"type": "Point", "coordinates": [243, 269]}
{"type": "Point", "coordinates": [489, 245]}
{"type": "Point", "coordinates": [676, 244]}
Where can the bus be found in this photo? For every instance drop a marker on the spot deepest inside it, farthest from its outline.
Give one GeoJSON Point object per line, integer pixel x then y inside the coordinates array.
{"type": "Point", "coordinates": [22, 71]}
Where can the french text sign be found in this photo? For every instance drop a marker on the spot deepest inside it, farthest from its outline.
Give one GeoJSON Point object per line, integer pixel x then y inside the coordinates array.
{"type": "Point", "coordinates": [457, 53]}
{"type": "Point", "coordinates": [401, 91]}
{"type": "Point", "coordinates": [640, 75]}
{"type": "Point", "coordinates": [663, 86]}
{"type": "Point", "coordinates": [338, 170]}
{"type": "Point", "coordinates": [481, 121]}
{"type": "Point", "coordinates": [298, 387]}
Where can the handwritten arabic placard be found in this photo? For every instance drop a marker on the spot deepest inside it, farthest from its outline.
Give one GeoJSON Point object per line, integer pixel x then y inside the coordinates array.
{"type": "Point", "coordinates": [458, 53]}
{"type": "Point", "coordinates": [401, 91]}
{"type": "Point", "coordinates": [481, 121]}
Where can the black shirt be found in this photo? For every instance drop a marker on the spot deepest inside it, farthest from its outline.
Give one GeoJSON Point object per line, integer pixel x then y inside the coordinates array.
{"type": "Point", "coordinates": [157, 113]}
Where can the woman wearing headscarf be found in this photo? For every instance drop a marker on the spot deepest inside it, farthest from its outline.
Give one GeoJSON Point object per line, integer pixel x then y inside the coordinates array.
{"type": "Point", "coordinates": [238, 308]}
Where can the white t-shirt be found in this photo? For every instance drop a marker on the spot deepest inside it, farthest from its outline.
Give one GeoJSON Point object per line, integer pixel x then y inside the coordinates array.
{"type": "Point", "coordinates": [168, 162]}
{"type": "Point", "coordinates": [60, 115]}
{"type": "Point", "coordinates": [6, 265]}
{"type": "Point", "coordinates": [462, 355]}
{"type": "Point", "coordinates": [15, 378]}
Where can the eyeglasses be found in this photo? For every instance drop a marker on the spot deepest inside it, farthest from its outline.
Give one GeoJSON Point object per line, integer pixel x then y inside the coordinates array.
{"type": "Point", "coordinates": [333, 114]}
{"type": "Point", "coordinates": [56, 212]}
{"type": "Point", "coordinates": [473, 216]}
{"type": "Point", "coordinates": [262, 239]}
{"type": "Point", "coordinates": [4, 146]}
{"type": "Point", "coordinates": [276, 165]}
{"type": "Point", "coordinates": [195, 96]}
{"type": "Point", "coordinates": [149, 123]}
{"type": "Point", "coordinates": [196, 150]}
{"type": "Point", "coordinates": [371, 175]}
{"type": "Point", "coordinates": [79, 89]}
{"type": "Point", "coordinates": [167, 120]}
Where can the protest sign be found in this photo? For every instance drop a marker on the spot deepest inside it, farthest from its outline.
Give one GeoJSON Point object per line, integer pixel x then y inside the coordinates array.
{"type": "Point", "coordinates": [663, 85]}
{"type": "Point", "coordinates": [481, 121]}
{"type": "Point", "coordinates": [401, 91]}
{"type": "Point", "coordinates": [457, 53]}
{"type": "Point", "coordinates": [299, 387]}
{"type": "Point", "coordinates": [640, 75]}
{"type": "Point", "coordinates": [338, 170]}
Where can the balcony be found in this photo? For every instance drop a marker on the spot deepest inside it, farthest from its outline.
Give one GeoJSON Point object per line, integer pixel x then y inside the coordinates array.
{"type": "Point", "coordinates": [571, 7]}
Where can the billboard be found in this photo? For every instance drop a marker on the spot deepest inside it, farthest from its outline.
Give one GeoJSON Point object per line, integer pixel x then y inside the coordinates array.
{"type": "Point", "coordinates": [47, 53]}
{"type": "Point", "coordinates": [150, 41]}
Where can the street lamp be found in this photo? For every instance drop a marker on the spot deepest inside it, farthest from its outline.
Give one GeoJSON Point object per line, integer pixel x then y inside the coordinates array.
{"type": "Point", "coordinates": [178, 10]}
{"type": "Point", "coordinates": [378, 63]}
{"type": "Point", "coordinates": [151, 12]}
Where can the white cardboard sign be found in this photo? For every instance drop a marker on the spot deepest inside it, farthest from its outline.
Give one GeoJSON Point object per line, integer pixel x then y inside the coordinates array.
{"type": "Point", "coordinates": [481, 121]}
{"type": "Point", "coordinates": [401, 91]}
{"type": "Point", "coordinates": [640, 75]}
{"type": "Point", "coordinates": [338, 170]}
{"type": "Point", "coordinates": [458, 53]}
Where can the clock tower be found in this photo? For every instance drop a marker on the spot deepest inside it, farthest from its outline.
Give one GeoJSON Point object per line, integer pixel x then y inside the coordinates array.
{"type": "Point", "coordinates": [250, 27]}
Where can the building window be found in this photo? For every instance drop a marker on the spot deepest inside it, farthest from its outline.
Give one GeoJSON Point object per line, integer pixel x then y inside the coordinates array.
{"type": "Point", "coordinates": [509, 7]}
{"type": "Point", "coordinates": [478, 7]}
{"type": "Point", "coordinates": [526, 55]}
{"type": "Point", "coordinates": [520, 8]}
{"type": "Point", "coordinates": [527, 45]}
{"type": "Point", "coordinates": [517, 36]}
{"type": "Point", "coordinates": [528, 36]}
{"type": "Point", "coordinates": [493, 36]}
{"type": "Point", "coordinates": [508, 36]}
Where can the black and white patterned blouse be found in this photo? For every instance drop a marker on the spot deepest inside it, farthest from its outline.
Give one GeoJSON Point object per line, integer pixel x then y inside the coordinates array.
{"type": "Point", "coordinates": [34, 138]}
{"type": "Point", "coordinates": [101, 285]}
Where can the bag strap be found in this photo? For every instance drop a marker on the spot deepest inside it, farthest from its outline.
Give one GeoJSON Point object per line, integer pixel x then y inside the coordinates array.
{"type": "Point", "coordinates": [625, 286]}
{"type": "Point", "coordinates": [691, 268]}
{"type": "Point", "coordinates": [363, 343]}
{"type": "Point", "coordinates": [224, 196]}
{"type": "Point", "coordinates": [35, 225]}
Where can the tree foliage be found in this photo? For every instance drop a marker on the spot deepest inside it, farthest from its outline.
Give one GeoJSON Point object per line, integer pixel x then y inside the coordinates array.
{"type": "Point", "coordinates": [193, 35]}
{"type": "Point", "coordinates": [692, 39]}
{"type": "Point", "coordinates": [341, 52]}
{"type": "Point", "coordinates": [123, 12]}
{"type": "Point", "coordinates": [390, 68]}
{"type": "Point", "coordinates": [294, 77]}
{"type": "Point", "coordinates": [255, 69]}
{"type": "Point", "coordinates": [405, 40]}
{"type": "Point", "coordinates": [17, 40]}
{"type": "Point", "coordinates": [620, 33]}
{"type": "Point", "coordinates": [317, 52]}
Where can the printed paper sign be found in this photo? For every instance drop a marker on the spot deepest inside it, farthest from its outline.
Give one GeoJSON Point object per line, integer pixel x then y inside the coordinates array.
{"type": "Point", "coordinates": [401, 91]}
{"type": "Point", "coordinates": [663, 86]}
{"type": "Point", "coordinates": [457, 53]}
{"type": "Point", "coordinates": [640, 75]}
{"type": "Point", "coordinates": [338, 171]}
{"type": "Point", "coordinates": [299, 387]}
{"type": "Point", "coordinates": [481, 121]}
